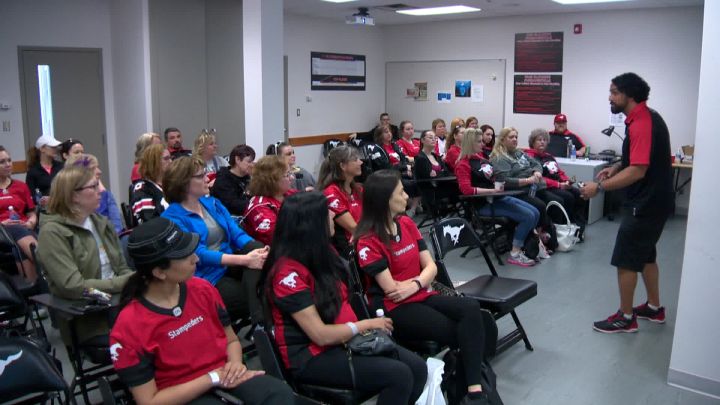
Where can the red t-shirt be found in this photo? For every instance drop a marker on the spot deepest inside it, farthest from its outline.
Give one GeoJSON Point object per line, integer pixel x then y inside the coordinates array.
{"type": "Point", "coordinates": [639, 126]}
{"type": "Point", "coordinates": [451, 157]}
{"type": "Point", "coordinates": [18, 196]}
{"type": "Point", "coordinates": [294, 287]}
{"type": "Point", "coordinates": [261, 217]}
{"type": "Point", "coordinates": [341, 202]}
{"type": "Point", "coordinates": [171, 346]}
{"type": "Point", "coordinates": [394, 157]}
{"type": "Point", "coordinates": [402, 258]}
{"type": "Point", "coordinates": [409, 148]}
{"type": "Point", "coordinates": [135, 173]}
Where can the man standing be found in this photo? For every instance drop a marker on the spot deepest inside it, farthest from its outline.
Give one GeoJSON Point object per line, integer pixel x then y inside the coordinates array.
{"type": "Point", "coordinates": [173, 139]}
{"type": "Point", "coordinates": [645, 172]}
{"type": "Point", "coordinates": [561, 135]}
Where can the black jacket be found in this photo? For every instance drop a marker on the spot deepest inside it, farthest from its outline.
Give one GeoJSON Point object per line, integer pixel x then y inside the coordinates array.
{"type": "Point", "coordinates": [422, 166]}
{"type": "Point", "coordinates": [38, 178]}
{"type": "Point", "coordinates": [380, 160]}
{"type": "Point", "coordinates": [230, 190]}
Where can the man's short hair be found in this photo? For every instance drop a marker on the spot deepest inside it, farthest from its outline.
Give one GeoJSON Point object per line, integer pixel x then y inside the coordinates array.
{"type": "Point", "coordinates": [633, 86]}
{"type": "Point", "coordinates": [168, 130]}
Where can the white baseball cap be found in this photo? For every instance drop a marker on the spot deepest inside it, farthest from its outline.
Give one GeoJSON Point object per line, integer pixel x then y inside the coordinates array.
{"type": "Point", "coordinates": [48, 140]}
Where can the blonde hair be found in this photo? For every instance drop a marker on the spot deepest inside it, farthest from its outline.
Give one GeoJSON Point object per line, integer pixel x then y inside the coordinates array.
{"type": "Point", "coordinates": [201, 142]}
{"type": "Point", "coordinates": [151, 163]}
{"type": "Point", "coordinates": [63, 189]}
{"type": "Point", "coordinates": [143, 142]}
{"type": "Point", "coordinates": [467, 148]}
{"type": "Point", "coordinates": [499, 150]}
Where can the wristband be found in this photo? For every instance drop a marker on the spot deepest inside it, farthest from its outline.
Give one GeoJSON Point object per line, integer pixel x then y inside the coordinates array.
{"type": "Point", "coordinates": [419, 284]}
{"type": "Point", "coordinates": [352, 327]}
{"type": "Point", "coordinates": [600, 186]}
{"type": "Point", "coordinates": [215, 378]}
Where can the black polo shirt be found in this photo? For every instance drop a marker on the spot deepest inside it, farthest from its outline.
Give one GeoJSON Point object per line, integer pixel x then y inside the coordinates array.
{"type": "Point", "coordinates": [557, 145]}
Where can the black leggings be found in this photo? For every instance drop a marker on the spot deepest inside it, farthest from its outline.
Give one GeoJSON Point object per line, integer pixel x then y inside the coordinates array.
{"type": "Point", "coordinates": [261, 389]}
{"type": "Point", "coordinates": [458, 322]}
{"type": "Point", "coordinates": [573, 204]}
{"type": "Point", "coordinates": [398, 381]}
{"type": "Point", "coordinates": [238, 289]}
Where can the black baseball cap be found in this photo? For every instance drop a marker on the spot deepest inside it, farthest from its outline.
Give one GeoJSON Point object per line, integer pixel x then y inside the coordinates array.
{"type": "Point", "coordinates": [159, 238]}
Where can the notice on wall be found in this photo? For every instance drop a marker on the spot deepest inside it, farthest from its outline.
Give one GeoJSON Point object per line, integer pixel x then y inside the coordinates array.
{"type": "Point", "coordinates": [444, 97]}
{"type": "Point", "coordinates": [617, 120]}
{"type": "Point", "coordinates": [539, 52]}
{"type": "Point", "coordinates": [337, 71]}
{"type": "Point", "coordinates": [478, 93]}
{"type": "Point", "coordinates": [537, 94]}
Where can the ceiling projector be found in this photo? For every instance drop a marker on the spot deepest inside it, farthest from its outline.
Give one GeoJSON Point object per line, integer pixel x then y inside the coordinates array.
{"type": "Point", "coordinates": [360, 18]}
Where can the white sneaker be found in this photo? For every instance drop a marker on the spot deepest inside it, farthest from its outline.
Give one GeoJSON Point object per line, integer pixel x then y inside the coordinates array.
{"type": "Point", "coordinates": [519, 259]}
{"type": "Point", "coordinates": [543, 253]}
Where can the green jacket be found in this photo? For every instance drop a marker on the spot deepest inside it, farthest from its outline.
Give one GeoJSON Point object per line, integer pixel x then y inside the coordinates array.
{"type": "Point", "coordinates": [69, 257]}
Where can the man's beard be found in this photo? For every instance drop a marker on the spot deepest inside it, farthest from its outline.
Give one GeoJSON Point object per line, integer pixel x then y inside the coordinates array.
{"type": "Point", "coordinates": [615, 109]}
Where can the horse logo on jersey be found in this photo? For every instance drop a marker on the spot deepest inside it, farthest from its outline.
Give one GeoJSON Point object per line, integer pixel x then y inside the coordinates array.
{"type": "Point", "coordinates": [264, 225]}
{"type": "Point", "coordinates": [551, 166]}
{"type": "Point", "coordinates": [138, 186]}
{"type": "Point", "coordinates": [334, 204]}
{"type": "Point", "coordinates": [487, 170]}
{"type": "Point", "coordinates": [114, 351]}
{"type": "Point", "coordinates": [453, 232]}
{"type": "Point", "coordinates": [334, 144]}
{"type": "Point", "coordinates": [289, 280]}
{"type": "Point", "coordinates": [11, 358]}
{"type": "Point", "coordinates": [363, 253]}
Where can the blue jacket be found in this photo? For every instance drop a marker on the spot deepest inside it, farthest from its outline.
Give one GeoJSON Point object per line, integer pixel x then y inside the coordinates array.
{"type": "Point", "coordinates": [209, 266]}
{"type": "Point", "coordinates": [109, 209]}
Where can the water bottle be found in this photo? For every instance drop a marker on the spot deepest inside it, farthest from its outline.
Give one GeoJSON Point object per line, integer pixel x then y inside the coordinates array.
{"type": "Point", "coordinates": [38, 196]}
{"type": "Point", "coordinates": [379, 313]}
{"type": "Point", "coordinates": [573, 152]}
{"type": "Point", "coordinates": [13, 215]}
{"type": "Point", "coordinates": [568, 148]}
{"type": "Point", "coordinates": [533, 190]}
{"type": "Point", "coordinates": [679, 156]}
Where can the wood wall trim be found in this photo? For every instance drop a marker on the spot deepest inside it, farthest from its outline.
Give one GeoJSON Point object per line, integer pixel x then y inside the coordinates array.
{"type": "Point", "coordinates": [19, 167]}
{"type": "Point", "coordinates": [317, 139]}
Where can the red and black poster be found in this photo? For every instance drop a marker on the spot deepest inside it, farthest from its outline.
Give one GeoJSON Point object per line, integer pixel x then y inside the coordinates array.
{"type": "Point", "coordinates": [539, 52]}
{"type": "Point", "coordinates": [537, 94]}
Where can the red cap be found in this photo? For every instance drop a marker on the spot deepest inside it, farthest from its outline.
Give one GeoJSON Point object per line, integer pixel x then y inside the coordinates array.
{"type": "Point", "coordinates": [560, 118]}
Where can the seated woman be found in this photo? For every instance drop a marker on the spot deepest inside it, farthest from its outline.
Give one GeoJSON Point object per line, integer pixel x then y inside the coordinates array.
{"type": "Point", "coordinates": [488, 140]}
{"type": "Point", "coordinates": [454, 140]}
{"type": "Point", "coordinates": [79, 249]}
{"type": "Point", "coordinates": [409, 146]}
{"type": "Point", "coordinates": [384, 154]}
{"type": "Point", "coordinates": [344, 195]}
{"type": "Point", "coordinates": [268, 186]}
{"type": "Point", "coordinates": [231, 182]}
{"type": "Point", "coordinates": [144, 140]}
{"type": "Point", "coordinates": [108, 207]}
{"type": "Point", "coordinates": [147, 199]}
{"type": "Point", "coordinates": [303, 180]}
{"type": "Point", "coordinates": [475, 177]}
{"type": "Point", "coordinates": [162, 301]}
{"type": "Point", "coordinates": [186, 187]}
{"type": "Point", "coordinates": [429, 165]}
{"type": "Point", "coordinates": [393, 253]}
{"type": "Point", "coordinates": [70, 148]}
{"type": "Point", "coordinates": [521, 172]}
{"type": "Point", "coordinates": [440, 130]}
{"type": "Point", "coordinates": [471, 122]}
{"type": "Point", "coordinates": [206, 149]}
{"type": "Point", "coordinates": [307, 291]}
{"type": "Point", "coordinates": [42, 168]}
{"type": "Point", "coordinates": [17, 214]}
{"type": "Point", "coordinates": [558, 183]}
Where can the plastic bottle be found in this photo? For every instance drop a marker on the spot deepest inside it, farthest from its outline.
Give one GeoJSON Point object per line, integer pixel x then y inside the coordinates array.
{"type": "Point", "coordinates": [573, 152]}
{"type": "Point", "coordinates": [13, 215]}
{"type": "Point", "coordinates": [533, 190]}
{"type": "Point", "coordinates": [567, 149]}
{"type": "Point", "coordinates": [679, 156]}
{"type": "Point", "coordinates": [379, 313]}
{"type": "Point", "coordinates": [38, 196]}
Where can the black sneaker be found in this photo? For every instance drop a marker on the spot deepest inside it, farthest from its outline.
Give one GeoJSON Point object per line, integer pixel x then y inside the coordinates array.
{"type": "Point", "coordinates": [617, 323]}
{"type": "Point", "coordinates": [653, 315]}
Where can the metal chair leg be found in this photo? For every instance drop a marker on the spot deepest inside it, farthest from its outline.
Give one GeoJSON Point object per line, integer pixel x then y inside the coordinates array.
{"type": "Point", "coordinates": [522, 330]}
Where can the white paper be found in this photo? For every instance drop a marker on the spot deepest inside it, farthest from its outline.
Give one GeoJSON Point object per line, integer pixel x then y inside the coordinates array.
{"type": "Point", "coordinates": [477, 95]}
{"type": "Point", "coordinates": [617, 120]}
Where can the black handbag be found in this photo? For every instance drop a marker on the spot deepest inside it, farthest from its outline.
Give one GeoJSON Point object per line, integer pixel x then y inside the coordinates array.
{"type": "Point", "coordinates": [374, 342]}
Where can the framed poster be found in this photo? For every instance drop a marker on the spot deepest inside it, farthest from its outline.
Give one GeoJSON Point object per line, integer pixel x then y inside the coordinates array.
{"type": "Point", "coordinates": [539, 52]}
{"type": "Point", "coordinates": [537, 94]}
{"type": "Point", "coordinates": [337, 71]}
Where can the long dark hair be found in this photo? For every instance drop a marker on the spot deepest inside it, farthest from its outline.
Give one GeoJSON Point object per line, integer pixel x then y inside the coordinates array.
{"type": "Point", "coordinates": [302, 233]}
{"type": "Point", "coordinates": [330, 170]}
{"type": "Point", "coordinates": [376, 204]}
{"type": "Point", "coordinates": [138, 282]}
{"type": "Point", "coordinates": [484, 128]}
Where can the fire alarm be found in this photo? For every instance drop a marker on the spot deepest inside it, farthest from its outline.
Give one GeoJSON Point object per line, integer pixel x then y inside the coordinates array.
{"type": "Point", "coordinates": [577, 29]}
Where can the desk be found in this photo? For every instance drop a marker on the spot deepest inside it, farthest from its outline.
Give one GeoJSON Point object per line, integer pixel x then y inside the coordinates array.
{"type": "Point", "coordinates": [677, 168]}
{"type": "Point", "coordinates": [586, 170]}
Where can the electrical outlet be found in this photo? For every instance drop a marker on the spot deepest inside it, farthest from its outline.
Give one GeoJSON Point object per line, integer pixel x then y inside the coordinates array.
{"type": "Point", "coordinates": [6, 126]}
{"type": "Point", "coordinates": [298, 112]}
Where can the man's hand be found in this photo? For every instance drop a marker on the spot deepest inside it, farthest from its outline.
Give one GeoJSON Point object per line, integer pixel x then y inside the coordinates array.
{"type": "Point", "coordinates": [608, 172]}
{"type": "Point", "coordinates": [589, 191]}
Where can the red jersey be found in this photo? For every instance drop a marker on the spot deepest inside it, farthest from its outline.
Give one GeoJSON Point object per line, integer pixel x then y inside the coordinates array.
{"type": "Point", "coordinates": [410, 147]}
{"type": "Point", "coordinates": [18, 196]}
{"type": "Point", "coordinates": [294, 287]}
{"type": "Point", "coordinates": [402, 258]}
{"type": "Point", "coordinates": [261, 217]}
{"type": "Point", "coordinates": [135, 173]}
{"type": "Point", "coordinates": [171, 346]}
{"type": "Point", "coordinates": [394, 157]}
{"type": "Point", "coordinates": [451, 157]}
{"type": "Point", "coordinates": [341, 202]}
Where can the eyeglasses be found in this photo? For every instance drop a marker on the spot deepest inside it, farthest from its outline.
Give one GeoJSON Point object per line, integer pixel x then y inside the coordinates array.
{"type": "Point", "coordinates": [94, 186]}
{"type": "Point", "coordinates": [209, 131]}
{"type": "Point", "coordinates": [199, 176]}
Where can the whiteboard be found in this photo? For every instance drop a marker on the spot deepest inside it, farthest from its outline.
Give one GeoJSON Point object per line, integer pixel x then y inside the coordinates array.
{"type": "Point", "coordinates": [440, 77]}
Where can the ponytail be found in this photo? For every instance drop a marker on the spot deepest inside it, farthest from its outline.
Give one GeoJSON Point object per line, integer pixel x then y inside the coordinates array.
{"type": "Point", "coordinates": [134, 288]}
{"type": "Point", "coordinates": [33, 156]}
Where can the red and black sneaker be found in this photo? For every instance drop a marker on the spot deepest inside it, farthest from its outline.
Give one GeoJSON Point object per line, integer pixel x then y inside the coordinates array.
{"type": "Point", "coordinates": [653, 315]}
{"type": "Point", "coordinates": [617, 323]}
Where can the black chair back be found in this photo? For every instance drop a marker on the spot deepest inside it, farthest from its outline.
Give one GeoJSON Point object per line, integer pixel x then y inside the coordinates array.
{"type": "Point", "coordinates": [358, 301]}
{"type": "Point", "coordinates": [331, 144]}
{"type": "Point", "coordinates": [12, 302]}
{"type": "Point", "coordinates": [128, 217]}
{"type": "Point", "coordinates": [455, 233]}
{"type": "Point", "coordinates": [26, 369]}
{"type": "Point", "coordinates": [267, 352]}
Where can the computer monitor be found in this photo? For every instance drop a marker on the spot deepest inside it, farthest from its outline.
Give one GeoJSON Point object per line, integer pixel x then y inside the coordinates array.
{"type": "Point", "coordinates": [557, 146]}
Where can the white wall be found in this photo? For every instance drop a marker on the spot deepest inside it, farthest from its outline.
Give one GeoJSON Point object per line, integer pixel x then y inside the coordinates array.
{"type": "Point", "coordinates": [71, 23]}
{"type": "Point", "coordinates": [661, 45]}
{"type": "Point", "coordinates": [695, 361]}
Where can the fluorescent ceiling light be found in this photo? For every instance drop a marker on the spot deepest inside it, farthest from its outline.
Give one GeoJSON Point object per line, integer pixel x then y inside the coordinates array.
{"type": "Point", "coordinates": [338, 1]}
{"type": "Point", "coordinates": [438, 10]}
{"type": "Point", "coordinates": [570, 2]}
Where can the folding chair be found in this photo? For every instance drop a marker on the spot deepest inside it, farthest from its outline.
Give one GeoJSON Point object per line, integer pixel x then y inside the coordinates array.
{"type": "Point", "coordinates": [496, 230]}
{"type": "Point", "coordinates": [331, 144]}
{"type": "Point", "coordinates": [500, 295]}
